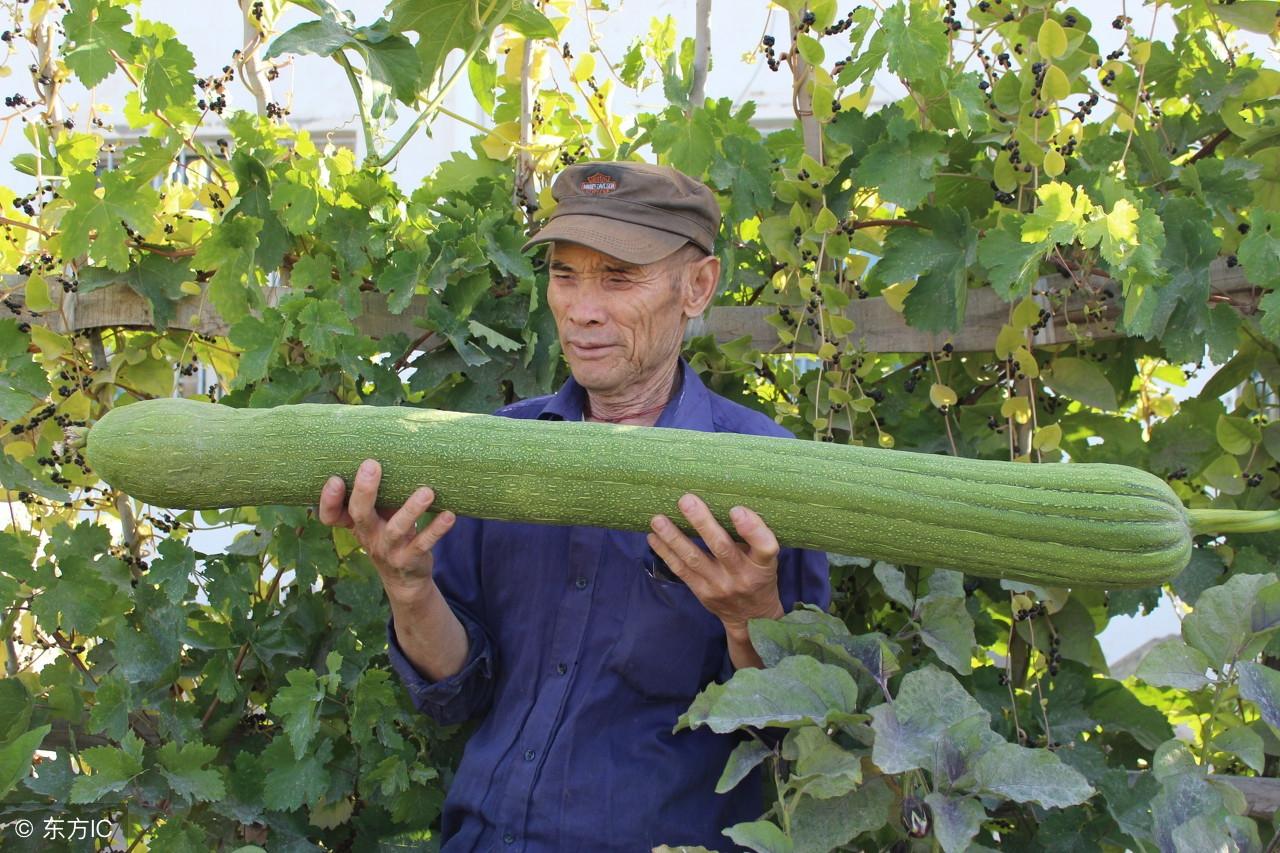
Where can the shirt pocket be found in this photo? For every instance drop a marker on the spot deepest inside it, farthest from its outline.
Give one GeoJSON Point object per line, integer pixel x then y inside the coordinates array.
{"type": "Point", "coordinates": [670, 645]}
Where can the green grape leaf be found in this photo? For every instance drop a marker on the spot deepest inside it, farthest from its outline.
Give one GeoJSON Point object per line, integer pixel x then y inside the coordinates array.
{"type": "Point", "coordinates": [903, 163]}
{"type": "Point", "coordinates": [1221, 624]}
{"type": "Point", "coordinates": [181, 766]}
{"type": "Point", "coordinates": [167, 78]}
{"type": "Point", "coordinates": [939, 259]}
{"type": "Point", "coordinates": [292, 781]}
{"type": "Point", "coordinates": [95, 28]}
{"type": "Point", "coordinates": [1259, 252]}
{"type": "Point", "coordinates": [1237, 435]}
{"type": "Point", "coordinates": [99, 217]}
{"type": "Point", "coordinates": [229, 250]}
{"type": "Point", "coordinates": [916, 50]}
{"type": "Point", "coordinates": [113, 768]}
{"type": "Point", "coordinates": [931, 708]}
{"type": "Point", "coordinates": [299, 705]}
{"type": "Point", "coordinates": [1013, 266]}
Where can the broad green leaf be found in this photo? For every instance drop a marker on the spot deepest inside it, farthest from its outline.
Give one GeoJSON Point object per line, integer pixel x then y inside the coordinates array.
{"type": "Point", "coordinates": [15, 757]}
{"type": "Point", "coordinates": [1056, 87]}
{"type": "Point", "coordinates": [822, 825]}
{"type": "Point", "coordinates": [1173, 663]}
{"type": "Point", "coordinates": [1220, 625]}
{"type": "Point", "coordinates": [893, 582]}
{"type": "Point", "coordinates": [182, 767]}
{"type": "Point", "coordinates": [823, 767]}
{"type": "Point", "coordinates": [1237, 435]}
{"type": "Point", "coordinates": [795, 692]}
{"type": "Point", "coordinates": [909, 729]}
{"type": "Point", "coordinates": [745, 757]}
{"type": "Point", "coordinates": [956, 820]}
{"type": "Point", "coordinates": [1244, 743]}
{"type": "Point", "coordinates": [442, 26]}
{"type": "Point", "coordinates": [1030, 776]}
{"type": "Point", "coordinates": [1081, 380]}
{"type": "Point", "coordinates": [1224, 475]}
{"type": "Point", "coordinates": [760, 835]}
{"type": "Point", "coordinates": [1261, 685]}
{"type": "Point", "coordinates": [525, 19]}
{"type": "Point", "coordinates": [947, 628]}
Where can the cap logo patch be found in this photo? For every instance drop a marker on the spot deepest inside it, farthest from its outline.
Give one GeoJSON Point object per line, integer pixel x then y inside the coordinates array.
{"type": "Point", "coordinates": [599, 183]}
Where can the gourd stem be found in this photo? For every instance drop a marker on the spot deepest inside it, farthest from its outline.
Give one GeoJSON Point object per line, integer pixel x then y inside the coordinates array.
{"type": "Point", "coordinates": [1217, 521]}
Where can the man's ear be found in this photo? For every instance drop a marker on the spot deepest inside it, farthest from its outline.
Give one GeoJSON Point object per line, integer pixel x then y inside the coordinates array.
{"type": "Point", "coordinates": [704, 275]}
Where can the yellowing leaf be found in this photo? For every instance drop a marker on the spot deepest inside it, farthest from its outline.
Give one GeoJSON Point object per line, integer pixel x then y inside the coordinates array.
{"type": "Point", "coordinates": [1047, 437]}
{"type": "Point", "coordinates": [1026, 362]}
{"type": "Point", "coordinates": [826, 220]}
{"type": "Point", "coordinates": [1017, 408]}
{"type": "Point", "coordinates": [1124, 121]}
{"type": "Point", "coordinates": [190, 288]}
{"type": "Point", "coordinates": [1054, 164]}
{"type": "Point", "coordinates": [585, 68]}
{"type": "Point", "coordinates": [1141, 52]}
{"type": "Point", "coordinates": [1056, 85]}
{"type": "Point", "coordinates": [894, 294]}
{"type": "Point", "coordinates": [37, 294]}
{"type": "Point", "coordinates": [1027, 312]}
{"type": "Point", "coordinates": [942, 395]}
{"type": "Point", "coordinates": [886, 440]}
{"type": "Point", "coordinates": [500, 142]}
{"type": "Point", "coordinates": [1009, 339]}
{"type": "Point", "coordinates": [52, 344]}
{"type": "Point", "coordinates": [1052, 39]}
{"type": "Point", "coordinates": [826, 351]}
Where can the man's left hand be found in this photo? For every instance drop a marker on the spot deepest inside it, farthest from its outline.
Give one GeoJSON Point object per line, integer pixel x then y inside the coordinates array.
{"type": "Point", "coordinates": [737, 581]}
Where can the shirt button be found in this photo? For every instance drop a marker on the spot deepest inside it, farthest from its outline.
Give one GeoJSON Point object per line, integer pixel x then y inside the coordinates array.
{"type": "Point", "coordinates": [561, 669]}
{"type": "Point", "coordinates": [529, 755]}
{"type": "Point", "coordinates": [581, 583]}
{"type": "Point", "coordinates": [508, 838]}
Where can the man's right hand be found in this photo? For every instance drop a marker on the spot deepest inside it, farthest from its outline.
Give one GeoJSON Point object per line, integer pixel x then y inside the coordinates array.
{"type": "Point", "coordinates": [401, 553]}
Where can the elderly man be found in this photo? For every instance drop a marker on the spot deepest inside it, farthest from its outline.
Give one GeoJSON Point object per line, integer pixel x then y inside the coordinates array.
{"type": "Point", "coordinates": [578, 647]}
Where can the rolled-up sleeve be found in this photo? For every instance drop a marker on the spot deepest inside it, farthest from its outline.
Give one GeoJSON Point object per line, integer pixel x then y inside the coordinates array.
{"type": "Point", "coordinates": [467, 693]}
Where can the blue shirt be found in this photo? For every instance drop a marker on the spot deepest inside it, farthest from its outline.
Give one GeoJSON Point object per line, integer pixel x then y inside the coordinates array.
{"type": "Point", "coordinates": [581, 658]}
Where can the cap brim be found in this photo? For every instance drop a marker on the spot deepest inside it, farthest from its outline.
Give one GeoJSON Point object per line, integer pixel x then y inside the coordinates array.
{"type": "Point", "coordinates": [626, 241]}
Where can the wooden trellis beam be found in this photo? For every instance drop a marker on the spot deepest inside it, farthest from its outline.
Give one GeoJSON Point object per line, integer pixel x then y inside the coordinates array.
{"type": "Point", "coordinates": [878, 328]}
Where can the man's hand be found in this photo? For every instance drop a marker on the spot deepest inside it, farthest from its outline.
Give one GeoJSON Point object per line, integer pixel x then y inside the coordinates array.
{"type": "Point", "coordinates": [401, 553]}
{"type": "Point", "coordinates": [737, 581]}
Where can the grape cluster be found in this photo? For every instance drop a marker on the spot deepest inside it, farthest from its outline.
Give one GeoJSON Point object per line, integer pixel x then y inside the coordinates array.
{"type": "Point", "coordinates": [578, 153]}
{"type": "Point", "coordinates": [769, 57]}
{"type": "Point", "coordinates": [217, 85]}
{"type": "Point", "coordinates": [949, 20]}
{"type": "Point", "coordinates": [841, 25]}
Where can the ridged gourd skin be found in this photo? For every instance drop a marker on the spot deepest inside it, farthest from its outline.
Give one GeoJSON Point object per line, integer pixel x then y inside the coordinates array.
{"type": "Point", "coordinates": [1073, 524]}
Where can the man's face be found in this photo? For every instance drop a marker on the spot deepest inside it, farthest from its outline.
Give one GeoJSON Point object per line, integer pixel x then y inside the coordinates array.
{"type": "Point", "coordinates": [618, 322]}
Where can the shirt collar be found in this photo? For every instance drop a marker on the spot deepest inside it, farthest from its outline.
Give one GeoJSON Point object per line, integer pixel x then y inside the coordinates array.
{"type": "Point", "coordinates": [691, 408]}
